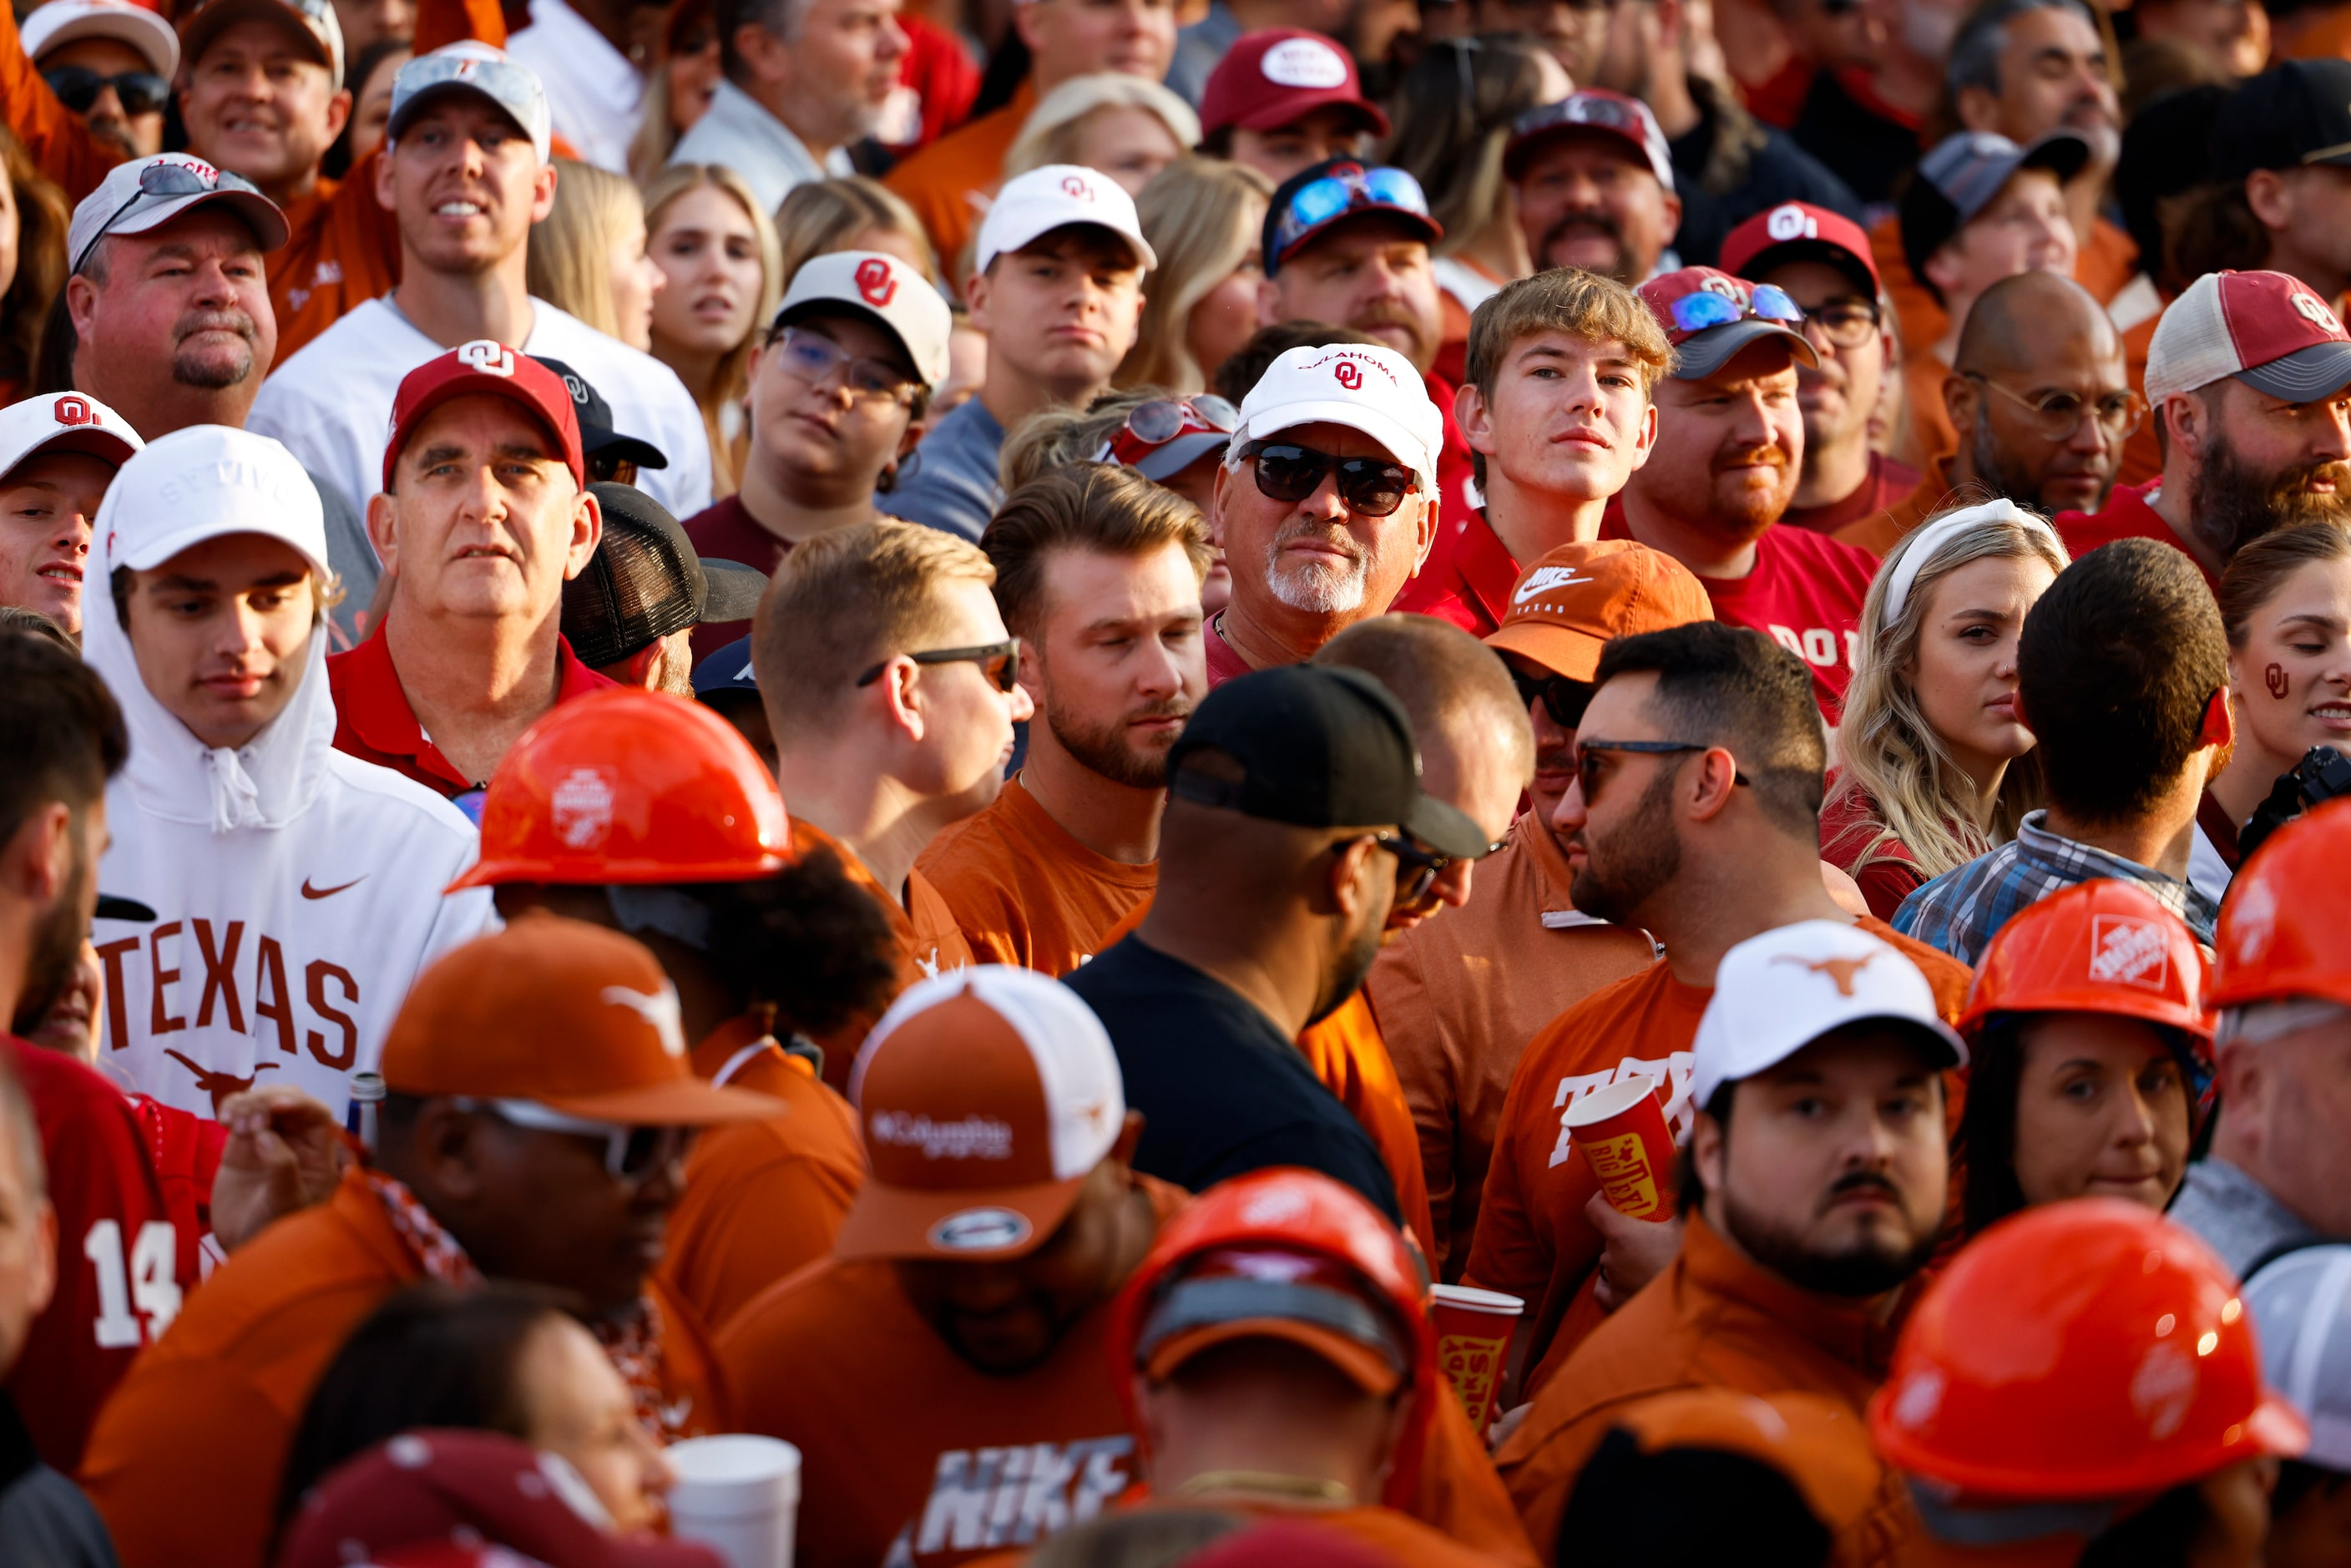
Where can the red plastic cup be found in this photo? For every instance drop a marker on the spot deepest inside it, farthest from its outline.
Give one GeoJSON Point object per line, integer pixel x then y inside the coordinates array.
{"type": "Point", "coordinates": [1473, 1343]}
{"type": "Point", "coordinates": [1621, 1129]}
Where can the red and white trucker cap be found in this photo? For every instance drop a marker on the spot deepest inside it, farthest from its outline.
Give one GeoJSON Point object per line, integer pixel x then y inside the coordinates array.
{"type": "Point", "coordinates": [2267, 330]}
{"type": "Point", "coordinates": [987, 1095]}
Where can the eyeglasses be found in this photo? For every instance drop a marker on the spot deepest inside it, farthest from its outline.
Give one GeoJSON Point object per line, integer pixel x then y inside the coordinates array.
{"type": "Point", "coordinates": [1845, 323]}
{"type": "Point", "coordinates": [1588, 754]}
{"type": "Point", "coordinates": [1151, 426]}
{"type": "Point", "coordinates": [1418, 867]}
{"type": "Point", "coordinates": [2058, 416]}
{"type": "Point", "coordinates": [999, 662]}
{"type": "Point", "coordinates": [631, 1154]}
{"type": "Point", "coordinates": [1318, 202]}
{"type": "Point", "coordinates": [159, 180]}
{"type": "Point", "coordinates": [1372, 486]}
{"type": "Point", "coordinates": [815, 359]}
{"type": "Point", "coordinates": [1563, 698]}
{"type": "Point", "coordinates": [77, 86]}
{"type": "Point", "coordinates": [1697, 311]}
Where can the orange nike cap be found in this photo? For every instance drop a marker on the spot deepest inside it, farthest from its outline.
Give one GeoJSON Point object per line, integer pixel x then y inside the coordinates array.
{"type": "Point", "coordinates": [571, 1016]}
{"type": "Point", "coordinates": [987, 1095]}
{"type": "Point", "coordinates": [1565, 607]}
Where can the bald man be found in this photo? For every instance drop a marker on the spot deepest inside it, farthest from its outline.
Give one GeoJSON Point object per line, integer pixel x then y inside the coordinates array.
{"type": "Point", "coordinates": [2041, 398]}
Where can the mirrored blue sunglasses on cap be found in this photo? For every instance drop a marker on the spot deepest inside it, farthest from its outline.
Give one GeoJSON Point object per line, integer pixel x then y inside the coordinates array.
{"type": "Point", "coordinates": [1317, 201]}
{"type": "Point", "coordinates": [1696, 311]}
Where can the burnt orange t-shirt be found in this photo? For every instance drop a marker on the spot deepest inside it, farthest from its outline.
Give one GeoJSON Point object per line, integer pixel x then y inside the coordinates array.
{"type": "Point", "coordinates": [1350, 1057]}
{"type": "Point", "coordinates": [1534, 1240]}
{"type": "Point", "coordinates": [949, 182]}
{"type": "Point", "coordinates": [928, 940]}
{"type": "Point", "coordinates": [763, 1199]}
{"type": "Point", "coordinates": [1025, 892]}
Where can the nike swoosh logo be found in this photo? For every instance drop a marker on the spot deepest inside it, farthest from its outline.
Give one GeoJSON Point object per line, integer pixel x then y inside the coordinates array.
{"type": "Point", "coordinates": [309, 891]}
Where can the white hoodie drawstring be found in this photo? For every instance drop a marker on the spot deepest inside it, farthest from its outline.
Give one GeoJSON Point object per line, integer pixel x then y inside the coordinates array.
{"type": "Point", "coordinates": [236, 799]}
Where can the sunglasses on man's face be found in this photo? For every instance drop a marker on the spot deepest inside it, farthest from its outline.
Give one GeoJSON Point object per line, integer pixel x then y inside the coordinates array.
{"type": "Point", "coordinates": [1372, 486]}
{"type": "Point", "coordinates": [999, 662]}
{"type": "Point", "coordinates": [77, 86]}
{"type": "Point", "coordinates": [1563, 698]}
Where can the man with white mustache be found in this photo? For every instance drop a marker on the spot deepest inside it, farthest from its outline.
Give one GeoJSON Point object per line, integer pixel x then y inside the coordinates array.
{"type": "Point", "coordinates": [1326, 504]}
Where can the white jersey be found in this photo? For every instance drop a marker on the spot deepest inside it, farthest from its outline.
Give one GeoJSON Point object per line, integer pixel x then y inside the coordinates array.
{"type": "Point", "coordinates": [331, 403]}
{"type": "Point", "coordinates": [593, 93]}
{"type": "Point", "coordinates": [296, 893]}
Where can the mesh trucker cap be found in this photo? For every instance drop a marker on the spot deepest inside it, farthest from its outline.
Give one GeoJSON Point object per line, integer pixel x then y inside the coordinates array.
{"type": "Point", "coordinates": [597, 437]}
{"type": "Point", "coordinates": [645, 581]}
{"type": "Point", "coordinates": [2267, 330]}
{"type": "Point", "coordinates": [987, 1096]}
{"type": "Point", "coordinates": [1316, 748]}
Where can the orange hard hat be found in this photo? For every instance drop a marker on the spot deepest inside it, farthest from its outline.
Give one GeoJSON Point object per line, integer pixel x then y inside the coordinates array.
{"type": "Point", "coordinates": [2079, 1351]}
{"type": "Point", "coordinates": [630, 786]}
{"type": "Point", "coordinates": [2102, 946]}
{"type": "Point", "coordinates": [1318, 1237]}
{"type": "Point", "coordinates": [2285, 928]}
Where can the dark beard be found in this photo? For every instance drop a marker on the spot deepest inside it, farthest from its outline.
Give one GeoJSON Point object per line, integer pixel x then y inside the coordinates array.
{"type": "Point", "coordinates": [1869, 1270]}
{"type": "Point", "coordinates": [1104, 748]}
{"type": "Point", "coordinates": [2230, 505]}
{"type": "Point", "coordinates": [1353, 965]}
{"type": "Point", "coordinates": [56, 946]}
{"type": "Point", "coordinates": [1645, 856]}
{"type": "Point", "coordinates": [1994, 470]}
{"type": "Point", "coordinates": [1618, 269]}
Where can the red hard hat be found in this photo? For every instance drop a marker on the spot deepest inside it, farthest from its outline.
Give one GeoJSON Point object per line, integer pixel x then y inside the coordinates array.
{"type": "Point", "coordinates": [2103, 946]}
{"type": "Point", "coordinates": [2078, 1351]}
{"type": "Point", "coordinates": [630, 787]}
{"type": "Point", "coordinates": [2285, 928]}
{"type": "Point", "coordinates": [1293, 1211]}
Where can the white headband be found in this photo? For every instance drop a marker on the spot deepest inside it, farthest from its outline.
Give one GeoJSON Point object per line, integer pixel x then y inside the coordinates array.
{"type": "Point", "coordinates": [1920, 547]}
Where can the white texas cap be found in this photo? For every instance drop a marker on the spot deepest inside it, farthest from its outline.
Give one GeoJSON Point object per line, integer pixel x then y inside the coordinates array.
{"type": "Point", "coordinates": [61, 22]}
{"type": "Point", "coordinates": [468, 66]}
{"type": "Point", "coordinates": [201, 483]}
{"type": "Point", "coordinates": [1032, 205]}
{"type": "Point", "coordinates": [1362, 386]}
{"type": "Point", "coordinates": [63, 421]}
{"type": "Point", "coordinates": [1777, 993]}
{"type": "Point", "coordinates": [898, 298]}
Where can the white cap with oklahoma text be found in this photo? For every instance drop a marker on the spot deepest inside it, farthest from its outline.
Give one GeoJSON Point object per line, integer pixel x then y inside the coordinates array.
{"type": "Point", "coordinates": [64, 422]}
{"type": "Point", "coordinates": [1362, 386]}
{"type": "Point", "coordinates": [1034, 204]}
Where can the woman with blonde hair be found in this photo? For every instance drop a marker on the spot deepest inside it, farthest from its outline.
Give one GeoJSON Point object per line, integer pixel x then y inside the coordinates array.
{"type": "Point", "coordinates": [1936, 763]}
{"type": "Point", "coordinates": [588, 255]}
{"type": "Point", "coordinates": [851, 213]}
{"type": "Point", "coordinates": [1205, 218]}
{"type": "Point", "coordinates": [725, 268]}
{"type": "Point", "coordinates": [1128, 127]}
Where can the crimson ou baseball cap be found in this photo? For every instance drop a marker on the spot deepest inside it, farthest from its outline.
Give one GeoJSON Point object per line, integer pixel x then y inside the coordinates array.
{"type": "Point", "coordinates": [1277, 77]}
{"type": "Point", "coordinates": [433, 1488]}
{"type": "Point", "coordinates": [1592, 110]}
{"type": "Point", "coordinates": [2267, 330]}
{"type": "Point", "coordinates": [1799, 231]}
{"type": "Point", "coordinates": [1709, 316]}
{"type": "Point", "coordinates": [486, 368]}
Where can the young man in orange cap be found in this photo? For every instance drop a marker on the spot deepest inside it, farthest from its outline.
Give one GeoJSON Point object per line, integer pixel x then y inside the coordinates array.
{"type": "Point", "coordinates": [1455, 1022]}
{"type": "Point", "coordinates": [534, 1129]}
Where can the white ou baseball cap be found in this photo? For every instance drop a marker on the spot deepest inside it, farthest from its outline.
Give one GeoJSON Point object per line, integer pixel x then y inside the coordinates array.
{"type": "Point", "coordinates": [1032, 205]}
{"type": "Point", "coordinates": [202, 482]}
{"type": "Point", "coordinates": [894, 296]}
{"type": "Point", "coordinates": [1366, 388]}
{"type": "Point", "coordinates": [63, 421]}
{"type": "Point", "coordinates": [147, 193]}
{"type": "Point", "coordinates": [1777, 993]}
{"type": "Point", "coordinates": [470, 67]}
{"type": "Point", "coordinates": [62, 22]}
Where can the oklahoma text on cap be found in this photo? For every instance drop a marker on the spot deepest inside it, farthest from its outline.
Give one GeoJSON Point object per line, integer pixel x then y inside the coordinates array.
{"type": "Point", "coordinates": [1366, 387]}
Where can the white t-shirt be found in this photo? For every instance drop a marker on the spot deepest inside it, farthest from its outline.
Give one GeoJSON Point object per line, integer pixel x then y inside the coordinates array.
{"type": "Point", "coordinates": [331, 403]}
{"type": "Point", "coordinates": [593, 94]}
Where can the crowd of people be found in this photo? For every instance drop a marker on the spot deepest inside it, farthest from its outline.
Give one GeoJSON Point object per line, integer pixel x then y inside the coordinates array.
{"type": "Point", "coordinates": [1026, 743]}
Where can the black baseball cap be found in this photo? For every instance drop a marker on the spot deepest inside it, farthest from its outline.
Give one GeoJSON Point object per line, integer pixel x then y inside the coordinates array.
{"type": "Point", "coordinates": [597, 437]}
{"type": "Point", "coordinates": [1318, 747]}
{"type": "Point", "coordinates": [114, 907]}
{"type": "Point", "coordinates": [2289, 116]}
{"type": "Point", "coordinates": [646, 582]}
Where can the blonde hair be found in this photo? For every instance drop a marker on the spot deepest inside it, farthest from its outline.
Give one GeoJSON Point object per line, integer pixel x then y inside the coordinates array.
{"type": "Point", "coordinates": [826, 215]}
{"type": "Point", "coordinates": [570, 261]}
{"type": "Point", "coordinates": [730, 382]}
{"type": "Point", "coordinates": [1051, 132]}
{"type": "Point", "coordinates": [1889, 752]}
{"type": "Point", "coordinates": [1198, 216]}
{"type": "Point", "coordinates": [1563, 300]}
{"type": "Point", "coordinates": [1055, 437]}
{"type": "Point", "coordinates": [845, 600]}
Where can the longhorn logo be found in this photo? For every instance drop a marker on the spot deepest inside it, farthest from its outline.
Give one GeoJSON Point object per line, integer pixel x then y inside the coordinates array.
{"type": "Point", "coordinates": [1840, 970]}
{"type": "Point", "coordinates": [660, 1010]}
{"type": "Point", "coordinates": [1350, 374]}
{"type": "Point", "coordinates": [875, 282]}
{"type": "Point", "coordinates": [488, 356]}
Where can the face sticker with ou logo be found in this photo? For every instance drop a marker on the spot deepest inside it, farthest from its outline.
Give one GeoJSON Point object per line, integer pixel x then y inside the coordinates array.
{"type": "Point", "coordinates": [1350, 374]}
{"type": "Point", "coordinates": [875, 283]}
{"type": "Point", "coordinates": [980, 1230]}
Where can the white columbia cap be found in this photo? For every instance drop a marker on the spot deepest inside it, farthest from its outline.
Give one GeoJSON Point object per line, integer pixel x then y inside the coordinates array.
{"type": "Point", "coordinates": [147, 193]}
{"type": "Point", "coordinates": [2302, 1315]}
{"type": "Point", "coordinates": [2266, 329]}
{"type": "Point", "coordinates": [898, 298]}
{"type": "Point", "coordinates": [1777, 993]}
{"type": "Point", "coordinates": [62, 22]}
{"type": "Point", "coordinates": [471, 67]}
{"type": "Point", "coordinates": [201, 483]}
{"type": "Point", "coordinates": [63, 421]}
{"type": "Point", "coordinates": [1032, 205]}
{"type": "Point", "coordinates": [1371, 389]}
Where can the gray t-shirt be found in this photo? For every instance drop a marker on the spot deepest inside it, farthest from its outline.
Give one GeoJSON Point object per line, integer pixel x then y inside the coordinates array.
{"type": "Point", "coordinates": [951, 483]}
{"type": "Point", "coordinates": [2237, 1217]}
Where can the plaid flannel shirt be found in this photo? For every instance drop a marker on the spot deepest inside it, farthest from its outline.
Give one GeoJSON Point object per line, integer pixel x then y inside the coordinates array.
{"type": "Point", "coordinates": [1959, 911]}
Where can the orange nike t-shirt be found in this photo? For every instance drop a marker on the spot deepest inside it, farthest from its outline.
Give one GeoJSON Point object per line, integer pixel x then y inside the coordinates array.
{"type": "Point", "coordinates": [1024, 891]}
{"type": "Point", "coordinates": [923, 927]}
{"type": "Point", "coordinates": [763, 1199]}
{"type": "Point", "coordinates": [1533, 1239]}
{"type": "Point", "coordinates": [1352, 1060]}
{"type": "Point", "coordinates": [950, 183]}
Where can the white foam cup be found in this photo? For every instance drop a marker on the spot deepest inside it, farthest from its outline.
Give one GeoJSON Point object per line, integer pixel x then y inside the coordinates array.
{"type": "Point", "coordinates": [740, 1494]}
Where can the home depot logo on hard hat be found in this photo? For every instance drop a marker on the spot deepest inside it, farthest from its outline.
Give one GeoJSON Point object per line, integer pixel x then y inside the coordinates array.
{"type": "Point", "coordinates": [2128, 952]}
